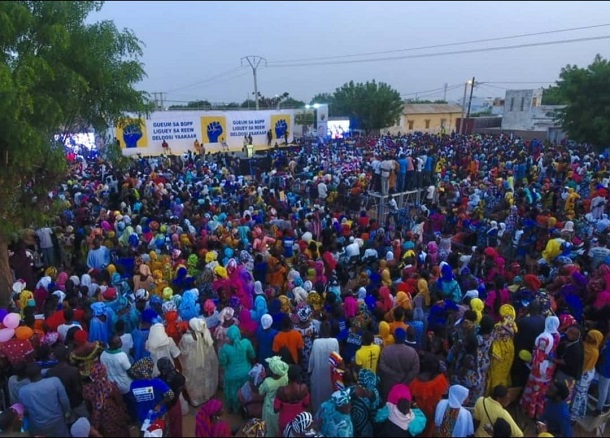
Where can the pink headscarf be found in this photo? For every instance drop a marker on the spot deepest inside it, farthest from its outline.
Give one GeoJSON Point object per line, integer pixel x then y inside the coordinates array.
{"type": "Point", "coordinates": [351, 307]}
{"type": "Point", "coordinates": [246, 324]}
{"type": "Point", "coordinates": [398, 392]}
{"type": "Point", "coordinates": [385, 300]}
{"type": "Point", "coordinates": [61, 281]}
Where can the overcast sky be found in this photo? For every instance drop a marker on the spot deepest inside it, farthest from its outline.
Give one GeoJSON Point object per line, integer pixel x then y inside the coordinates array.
{"type": "Point", "coordinates": [193, 49]}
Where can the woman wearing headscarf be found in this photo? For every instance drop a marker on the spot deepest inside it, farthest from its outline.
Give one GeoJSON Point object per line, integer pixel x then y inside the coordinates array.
{"type": "Point", "coordinates": [208, 423]}
{"type": "Point", "coordinates": [105, 403]}
{"type": "Point", "coordinates": [334, 415]}
{"type": "Point", "coordinates": [428, 388]}
{"type": "Point", "coordinates": [477, 306]}
{"type": "Point", "coordinates": [227, 320]}
{"type": "Point", "coordinates": [98, 326]}
{"type": "Point", "coordinates": [235, 358]}
{"type": "Point", "coordinates": [292, 399]}
{"type": "Point", "coordinates": [542, 369]}
{"type": "Point", "coordinates": [502, 349]}
{"type": "Point", "coordinates": [401, 417]}
{"type": "Point", "coordinates": [199, 362]}
{"type": "Point", "coordinates": [305, 326]}
{"type": "Point", "coordinates": [451, 419]}
{"type": "Point", "coordinates": [384, 337]}
{"type": "Point", "coordinates": [260, 302]}
{"type": "Point", "coordinates": [592, 345]}
{"type": "Point", "coordinates": [447, 285]}
{"type": "Point", "coordinates": [278, 377]}
{"type": "Point", "coordinates": [365, 401]}
{"type": "Point", "coordinates": [85, 353]}
{"type": "Point", "coordinates": [144, 279]}
{"type": "Point", "coordinates": [160, 345]}
{"type": "Point", "coordinates": [318, 365]}
{"type": "Point", "coordinates": [148, 393]}
{"type": "Point", "coordinates": [301, 426]}
{"type": "Point", "coordinates": [175, 380]}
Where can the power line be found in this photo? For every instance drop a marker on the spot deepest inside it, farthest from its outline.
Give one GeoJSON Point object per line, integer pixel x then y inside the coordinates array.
{"type": "Point", "coordinates": [443, 45]}
{"type": "Point", "coordinates": [205, 80]}
{"type": "Point", "coordinates": [457, 52]}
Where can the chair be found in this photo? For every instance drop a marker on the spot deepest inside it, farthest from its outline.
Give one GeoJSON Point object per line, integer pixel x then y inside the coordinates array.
{"type": "Point", "coordinates": [594, 424]}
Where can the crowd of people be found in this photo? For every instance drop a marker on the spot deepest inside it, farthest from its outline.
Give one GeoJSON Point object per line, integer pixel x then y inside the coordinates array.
{"type": "Point", "coordinates": [277, 295]}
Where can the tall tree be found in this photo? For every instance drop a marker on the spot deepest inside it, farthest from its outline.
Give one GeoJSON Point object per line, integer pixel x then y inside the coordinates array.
{"type": "Point", "coordinates": [58, 74]}
{"type": "Point", "coordinates": [586, 93]}
{"type": "Point", "coordinates": [369, 105]}
{"type": "Point", "coordinates": [552, 96]}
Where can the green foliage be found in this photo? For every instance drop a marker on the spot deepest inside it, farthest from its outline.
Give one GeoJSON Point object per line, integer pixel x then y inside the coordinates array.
{"type": "Point", "coordinates": [586, 92]}
{"type": "Point", "coordinates": [114, 155]}
{"type": "Point", "coordinates": [369, 105]}
{"type": "Point", "coordinates": [289, 102]}
{"type": "Point", "coordinates": [195, 104]}
{"type": "Point", "coordinates": [552, 96]}
{"type": "Point", "coordinates": [304, 118]}
{"type": "Point", "coordinates": [58, 74]}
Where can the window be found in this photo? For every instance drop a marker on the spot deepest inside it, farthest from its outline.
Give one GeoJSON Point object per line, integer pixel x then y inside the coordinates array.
{"type": "Point", "coordinates": [512, 103]}
{"type": "Point", "coordinates": [427, 123]}
{"type": "Point", "coordinates": [443, 123]}
{"type": "Point", "coordinates": [410, 125]}
{"type": "Point", "coordinates": [534, 102]}
{"type": "Point", "coordinates": [522, 104]}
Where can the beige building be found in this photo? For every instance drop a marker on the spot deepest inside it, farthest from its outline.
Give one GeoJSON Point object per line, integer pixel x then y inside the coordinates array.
{"type": "Point", "coordinates": [427, 117]}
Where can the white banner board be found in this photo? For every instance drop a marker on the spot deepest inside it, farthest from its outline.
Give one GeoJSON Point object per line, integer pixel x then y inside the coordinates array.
{"type": "Point", "coordinates": [180, 129]}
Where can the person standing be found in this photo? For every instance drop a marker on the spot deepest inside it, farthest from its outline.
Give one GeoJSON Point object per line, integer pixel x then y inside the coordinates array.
{"type": "Point", "coordinates": [70, 378]}
{"type": "Point", "coordinates": [117, 363]}
{"type": "Point", "coordinates": [199, 362]}
{"type": "Point", "coordinates": [387, 166]}
{"type": "Point", "coordinates": [175, 380]}
{"type": "Point", "coordinates": [591, 346]}
{"type": "Point", "coordinates": [319, 366]}
{"type": "Point", "coordinates": [99, 256]}
{"type": "Point", "coordinates": [489, 409]}
{"type": "Point", "coordinates": [46, 404]}
{"type": "Point", "coordinates": [269, 138]}
{"type": "Point", "coordinates": [398, 363]}
{"type": "Point", "coordinates": [108, 411]}
{"type": "Point", "coordinates": [45, 242]}
{"type": "Point", "coordinates": [235, 358]}
{"type": "Point", "coordinates": [278, 377]}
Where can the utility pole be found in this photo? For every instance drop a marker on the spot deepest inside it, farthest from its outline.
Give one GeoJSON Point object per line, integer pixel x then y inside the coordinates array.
{"type": "Point", "coordinates": [254, 62]}
{"type": "Point", "coordinates": [470, 99]}
{"type": "Point", "coordinates": [445, 93]}
{"type": "Point", "coordinates": [463, 107]}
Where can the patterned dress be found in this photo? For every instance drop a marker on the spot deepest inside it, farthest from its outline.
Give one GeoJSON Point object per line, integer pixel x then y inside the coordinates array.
{"type": "Point", "coordinates": [308, 333]}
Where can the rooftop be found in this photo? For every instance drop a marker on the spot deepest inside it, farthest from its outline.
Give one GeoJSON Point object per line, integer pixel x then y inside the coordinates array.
{"type": "Point", "coordinates": [430, 108]}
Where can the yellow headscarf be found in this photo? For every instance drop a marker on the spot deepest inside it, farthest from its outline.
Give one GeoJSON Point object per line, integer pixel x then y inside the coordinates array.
{"type": "Point", "coordinates": [51, 271]}
{"type": "Point", "coordinates": [593, 342]}
{"type": "Point", "coordinates": [168, 293]}
{"type": "Point", "coordinates": [507, 311]}
{"type": "Point", "coordinates": [24, 297]}
{"type": "Point", "coordinates": [384, 333]}
{"type": "Point", "coordinates": [111, 269]}
{"type": "Point", "coordinates": [477, 305]}
{"type": "Point", "coordinates": [285, 307]}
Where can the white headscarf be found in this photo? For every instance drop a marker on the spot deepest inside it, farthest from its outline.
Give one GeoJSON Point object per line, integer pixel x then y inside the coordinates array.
{"type": "Point", "coordinates": [157, 337]}
{"type": "Point", "coordinates": [457, 396]}
{"type": "Point", "coordinates": [44, 283]}
{"type": "Point", "coordinates": [200, 327]}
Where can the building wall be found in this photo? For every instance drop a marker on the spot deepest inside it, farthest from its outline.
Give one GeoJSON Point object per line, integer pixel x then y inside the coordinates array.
{"type": "Point", "coordinates": [428, 122]}
{"type": "Point", "coordinates": [519, 108]}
